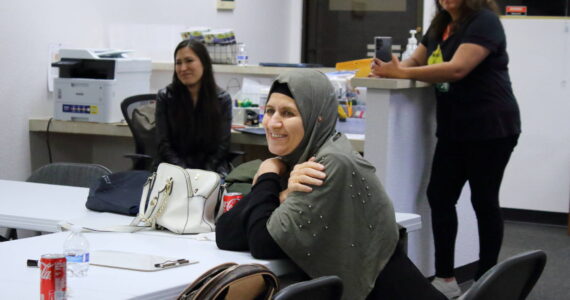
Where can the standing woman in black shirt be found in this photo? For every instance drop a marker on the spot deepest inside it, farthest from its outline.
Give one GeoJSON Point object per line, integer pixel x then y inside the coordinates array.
{"type": "Point", "coordinates": [478, 123]}
{"type": "Point", "coordinates": [193, 115]}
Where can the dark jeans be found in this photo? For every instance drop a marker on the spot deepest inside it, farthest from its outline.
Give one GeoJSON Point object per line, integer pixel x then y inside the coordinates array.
{"type": "Point", "coordinates": [482, 164]}
{"type": "Point", "coordinates": [401, 280]}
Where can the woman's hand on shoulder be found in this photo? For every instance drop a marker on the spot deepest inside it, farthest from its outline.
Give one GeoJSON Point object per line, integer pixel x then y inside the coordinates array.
{"type": "Point", "coordinates": [303, 177]}
{"type": "Point", "coordinates": [271, 165]}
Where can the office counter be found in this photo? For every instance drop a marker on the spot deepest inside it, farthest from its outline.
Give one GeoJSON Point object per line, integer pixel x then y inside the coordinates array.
{"type": "Point", "coordinates": [39, 125]}
{"type": "Point", "coordinates": [400, 141]}
{"type": "Point", "coordinates": [106, 143]}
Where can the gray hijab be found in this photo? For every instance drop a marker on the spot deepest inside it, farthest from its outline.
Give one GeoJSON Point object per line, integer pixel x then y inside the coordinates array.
{"type": "Point", "coordinates": [311, 84]}
{"type": "Point", "coordinates": [346, 227]}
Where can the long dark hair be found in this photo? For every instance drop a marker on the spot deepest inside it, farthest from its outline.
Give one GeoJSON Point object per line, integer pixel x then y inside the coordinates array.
{"type": "Point", "coordinates": [468, 8]}
{"type": "Point", "coordinates": [197, 125]}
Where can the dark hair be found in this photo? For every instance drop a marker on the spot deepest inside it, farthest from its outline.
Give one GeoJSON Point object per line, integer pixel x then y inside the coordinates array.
{"type": "Point", "coordinates": [468, 8]}
{"type": "Point", "coordinates": [200, 124]}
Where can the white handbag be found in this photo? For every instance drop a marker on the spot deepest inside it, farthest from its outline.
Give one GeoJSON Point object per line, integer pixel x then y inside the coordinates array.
{"type": "Point", "coordinates": [180, 200]}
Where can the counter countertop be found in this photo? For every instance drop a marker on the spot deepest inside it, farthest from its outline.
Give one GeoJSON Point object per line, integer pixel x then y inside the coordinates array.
{"type": "Point", "coordinates": [387, 83]}
{"type": "Point", "coordinates": [235, 69]}
{"type": "Point", "coordinates": [378, 83]}
{"type": "Point", "coordinates": [122, 130]}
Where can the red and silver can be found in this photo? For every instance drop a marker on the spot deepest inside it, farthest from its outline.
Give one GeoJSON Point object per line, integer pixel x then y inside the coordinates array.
{"type": "Point", "coordinates": [53, 279]}
{"type": "Point", "coordinates": [230, 200]}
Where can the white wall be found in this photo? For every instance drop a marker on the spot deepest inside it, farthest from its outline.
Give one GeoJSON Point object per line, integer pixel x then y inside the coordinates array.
{"type": "Point", "coordinates": [429, 13]}
{"type": "Point", "coordinates": [150, 27]}
{"type": "Point", "coordinates": [538, 176]}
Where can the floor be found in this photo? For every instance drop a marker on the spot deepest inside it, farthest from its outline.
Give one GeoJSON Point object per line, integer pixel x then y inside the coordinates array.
{"type": "Point", "coordinates": [554, 284]}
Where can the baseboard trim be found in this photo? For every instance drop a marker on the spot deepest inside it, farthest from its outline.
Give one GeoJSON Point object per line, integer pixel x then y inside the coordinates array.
{"type": "Point", "coordinates": [535, 216]}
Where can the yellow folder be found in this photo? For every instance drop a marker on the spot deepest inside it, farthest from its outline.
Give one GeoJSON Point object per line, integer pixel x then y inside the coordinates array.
{"type": "Point", "coordinates": [362, 66]}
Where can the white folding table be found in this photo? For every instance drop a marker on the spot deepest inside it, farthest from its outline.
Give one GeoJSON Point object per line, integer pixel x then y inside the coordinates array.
{"type": "Point", "coordinates": [17, 281]}
{"type": "Point", "coordinates": [43, 207]}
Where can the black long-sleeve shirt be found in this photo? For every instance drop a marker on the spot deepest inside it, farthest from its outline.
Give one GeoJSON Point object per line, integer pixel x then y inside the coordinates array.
{"type": "Point", "coordinates": [244, 226]}
{"type": "Point", "coordinates": [175, 147]}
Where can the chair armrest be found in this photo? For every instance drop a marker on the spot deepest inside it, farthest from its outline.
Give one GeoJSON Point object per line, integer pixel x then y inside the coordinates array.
{"type": "Point", "coordinates": [233, 154]}
{"type": "Point", "coordinates": [135, 156]}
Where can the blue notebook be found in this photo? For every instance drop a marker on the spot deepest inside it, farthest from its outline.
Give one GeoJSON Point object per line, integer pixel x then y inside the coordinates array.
{"type": "Point", "coordinates": [252, 130]}
{"type": "Point", "coordinates": [289, 65]}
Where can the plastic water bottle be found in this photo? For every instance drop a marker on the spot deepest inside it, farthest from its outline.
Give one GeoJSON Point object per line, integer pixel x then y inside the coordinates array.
{"type": "Point", "coordinates": [241, 56]}
{"type": "Point", "coordinates": [411, 46]}
{"type": "Point", "coordinates": [76, 251]}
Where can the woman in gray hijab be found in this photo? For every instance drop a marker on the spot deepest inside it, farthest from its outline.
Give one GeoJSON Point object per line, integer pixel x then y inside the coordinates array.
{"type": "Point", "coordinates": [319, 202]}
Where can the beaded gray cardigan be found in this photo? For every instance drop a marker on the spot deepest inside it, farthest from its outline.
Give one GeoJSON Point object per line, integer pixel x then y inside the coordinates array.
{"type": "Point", "coordinates": [346, 227]}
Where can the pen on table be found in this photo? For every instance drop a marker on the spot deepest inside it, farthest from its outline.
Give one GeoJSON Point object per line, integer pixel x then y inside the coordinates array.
{"type": "Point", "coordinates": [32, 263]}
{"type": "Point", "coordinates": [172, 263]}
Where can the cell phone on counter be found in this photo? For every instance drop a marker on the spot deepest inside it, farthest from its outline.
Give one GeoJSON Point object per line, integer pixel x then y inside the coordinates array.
{"type": "Point", "coordinates": [383, 48]}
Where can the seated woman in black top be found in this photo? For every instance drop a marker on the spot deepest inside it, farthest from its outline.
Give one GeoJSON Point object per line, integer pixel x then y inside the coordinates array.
{"type": "Point", "coordinates": [193, 115]}
{"type": "Point", "coordinates": [332, 216]}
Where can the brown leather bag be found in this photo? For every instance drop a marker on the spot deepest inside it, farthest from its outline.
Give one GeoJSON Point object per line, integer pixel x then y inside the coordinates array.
{"type": "Point", "coordinates": [231, 281]}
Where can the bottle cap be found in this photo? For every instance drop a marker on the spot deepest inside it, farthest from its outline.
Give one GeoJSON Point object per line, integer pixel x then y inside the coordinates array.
{"type": "Point", "coordinates": [412, 40]}
{"type": "Point", "coordinates": [75, 228]}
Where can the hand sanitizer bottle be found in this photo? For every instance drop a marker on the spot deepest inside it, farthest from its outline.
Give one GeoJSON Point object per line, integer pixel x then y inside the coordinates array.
{"type": "Point", "coordinates": [241, 56]}
{"type": "Point", "coordinates": [411, 46]}
{"type": "Point", "coordinates": [76, 251]}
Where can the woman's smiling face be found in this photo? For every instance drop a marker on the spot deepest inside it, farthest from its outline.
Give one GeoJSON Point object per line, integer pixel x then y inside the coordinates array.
{"type": "Point", "coordinates": [188, 67]}
{"type": "Point", "coordinates": [283, 124]}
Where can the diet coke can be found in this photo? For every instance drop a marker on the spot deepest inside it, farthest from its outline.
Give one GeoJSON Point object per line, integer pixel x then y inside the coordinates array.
{"type": "Point", "coordinates": [53, 283]}
{"type": "Point", "coordinates": [230, 200]}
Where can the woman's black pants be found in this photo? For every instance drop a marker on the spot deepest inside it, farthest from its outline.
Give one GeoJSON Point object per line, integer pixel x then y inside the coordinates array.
{"type": "Point", "coordinates": [482, 164]}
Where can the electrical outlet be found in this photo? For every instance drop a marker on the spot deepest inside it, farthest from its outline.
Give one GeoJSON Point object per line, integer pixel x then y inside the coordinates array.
{"type": "Point", "coordinates": [226, 4]}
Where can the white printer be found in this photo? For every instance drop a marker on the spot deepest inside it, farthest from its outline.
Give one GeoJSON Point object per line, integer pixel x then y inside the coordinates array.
{"type": "Point", "coordinates": [93, 83]}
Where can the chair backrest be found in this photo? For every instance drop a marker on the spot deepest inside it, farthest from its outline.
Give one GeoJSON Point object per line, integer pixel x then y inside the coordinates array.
{"type": "Point", "coordinates": [71, 174]}
{"type": "Point", "coordinates": [326, 287]}
{"type": "Point", "coordinates": [511, 279]}
{"type": "Point", "coordinates": [138, 112]}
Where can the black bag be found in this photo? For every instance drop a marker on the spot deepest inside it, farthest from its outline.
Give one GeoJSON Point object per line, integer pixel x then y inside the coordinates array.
{"type": "Point", "coordinates": [231, 281]}
{"type": "Point", "coordinates": [239, 180]}
{"type": "Point", "coordinates": [118, 192]}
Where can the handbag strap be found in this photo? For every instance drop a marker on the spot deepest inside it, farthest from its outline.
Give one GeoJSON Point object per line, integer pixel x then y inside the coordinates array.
{"type": "Point", "coordinates": [232, 282]}
{"type": "Point", "coordinates": [190, 291]}
{"type": "Point", "coordinates": [149, 214]}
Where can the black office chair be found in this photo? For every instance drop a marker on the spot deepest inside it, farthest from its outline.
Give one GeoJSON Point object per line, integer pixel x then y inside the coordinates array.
{"type": "Point", "coordinates": [326, 287]}
{"type": "Point", "coordinates": [70, 174]}
{"type": "Point", "coordinates": [511, 279]}
{"type": "Point", "coordinates": [138, 112]}
{"type": "Point", "coordinates": [62, 173]}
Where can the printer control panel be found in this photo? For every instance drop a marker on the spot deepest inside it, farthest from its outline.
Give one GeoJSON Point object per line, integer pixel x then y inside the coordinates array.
{"type": "Point", "coordinates": [80, 109]}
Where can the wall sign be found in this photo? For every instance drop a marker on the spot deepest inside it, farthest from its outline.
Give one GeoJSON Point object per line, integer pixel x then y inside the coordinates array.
{"type": "Point", "coordinates": [512, 10]}
{"type": "Point", "coordinates": [226, 4]}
